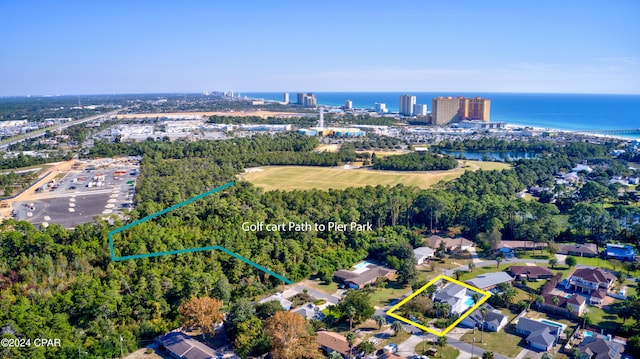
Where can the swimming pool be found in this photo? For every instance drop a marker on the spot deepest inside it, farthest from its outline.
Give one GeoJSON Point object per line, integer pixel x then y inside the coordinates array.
{"type": "Point", "coordinates": [587, 333]}
{"type": "Point", "coordinates": [551, 323]}
{"type": "Point", "coordinates": [361, 265]}
{"type": "Point", "coordinates": [469, 302]}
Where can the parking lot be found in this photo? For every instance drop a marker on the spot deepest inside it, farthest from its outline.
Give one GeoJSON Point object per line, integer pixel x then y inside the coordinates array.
{"type": "Point", "coordinates": [95, 188]}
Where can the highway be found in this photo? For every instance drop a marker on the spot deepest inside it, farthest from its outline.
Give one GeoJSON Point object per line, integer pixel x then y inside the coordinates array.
{"type": "Point", "coordinates": [41, 132]}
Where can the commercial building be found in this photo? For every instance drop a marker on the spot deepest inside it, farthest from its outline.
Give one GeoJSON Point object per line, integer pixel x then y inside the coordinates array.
{"type": "Point", "coordinates": [448, 109]}
{"type": "Point", "coordinates": [407, 102]}
{"type": "Point", "coordinates": [307, 99]}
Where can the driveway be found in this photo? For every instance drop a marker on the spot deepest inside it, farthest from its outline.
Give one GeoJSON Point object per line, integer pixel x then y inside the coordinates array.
{"type": "Point", "coordinates": [407, 348]}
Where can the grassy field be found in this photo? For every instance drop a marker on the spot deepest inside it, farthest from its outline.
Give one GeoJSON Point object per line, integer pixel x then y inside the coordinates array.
{"type": "Point", "coordinates": [323, 178]}
{"type": "Point", "coordinates": [505, 342]}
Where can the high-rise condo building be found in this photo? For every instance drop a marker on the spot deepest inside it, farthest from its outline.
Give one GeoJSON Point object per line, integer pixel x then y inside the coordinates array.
{"type": "Point", "coordinates": [306, 99]}
{"type": "Point", "coordinates": [381, 107]}
{"type": "Point", "coordinates": [406, 105]}
{"type": "Point", "coordinates": [444, 110]}
{"type": "Point", "coordinates": [348, 105]}
{"type": "Point", "coordinates": [285, 98]}
{"type": "Point", "coordinates": [419, 110]}
{"type": "Point", "coordinates": [477, 109]}
{"type": "Point", "coordinates": [448, 109]}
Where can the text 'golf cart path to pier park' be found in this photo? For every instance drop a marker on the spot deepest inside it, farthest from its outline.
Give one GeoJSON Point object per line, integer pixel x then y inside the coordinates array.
{"type": "Point", "coordinates": [434, 281]}
{"type": "Point", "coordinates": [187, 250]}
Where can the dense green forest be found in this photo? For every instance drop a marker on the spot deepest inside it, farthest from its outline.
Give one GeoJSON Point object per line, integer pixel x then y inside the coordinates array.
{"type": "Point", "coordinates": [415, 161]}
{"type": "Point", "coordinates": [62, 284]}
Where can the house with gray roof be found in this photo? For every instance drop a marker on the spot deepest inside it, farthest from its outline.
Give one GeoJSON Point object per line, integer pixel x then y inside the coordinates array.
{"type": "Point", "coordinates": [361, 277]}
{"type": "Point", "coordinates": [490, 280]}
{"type": "Point", "coordinates": [456, 296]}
{"type": "Point", "coordinates": [579, 249]}
{"type": "Point", "coordinates": [422, 254]}
{"type": "Point", "coordinates": [285, 303]}
{"type": "Point", "coordinates": [181, 346]}
{"type": "Point", "coordinates": [600, 347]}
{"type": "Point", "coordinates": [537, 334]}
{"type": "Point", "coordinates": [493, 321]}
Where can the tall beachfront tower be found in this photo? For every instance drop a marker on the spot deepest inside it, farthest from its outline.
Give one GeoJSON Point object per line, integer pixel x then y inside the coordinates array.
{"type": "Point", "coordinates": [285, 98]}
{"type": "Point", "coordinates": [444, 110]}
{"type": "Point", "coordinates": [348, 105]}
{"type": "Point", "coordinates": [407, 102]}
{"type": "Point", "coordinates": [477, 109]}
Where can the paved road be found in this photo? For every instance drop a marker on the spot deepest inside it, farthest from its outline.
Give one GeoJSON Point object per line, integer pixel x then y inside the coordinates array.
{"type": "Point", "coordinates": [39, 133]}
{"type": "Point", "coordinates": [316, 293]}
{"type": "Point", "coordinates": [491, 263]}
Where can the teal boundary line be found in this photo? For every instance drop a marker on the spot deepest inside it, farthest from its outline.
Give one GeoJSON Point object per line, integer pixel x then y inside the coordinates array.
{"type": "Point", "coordinates": [187, 250]}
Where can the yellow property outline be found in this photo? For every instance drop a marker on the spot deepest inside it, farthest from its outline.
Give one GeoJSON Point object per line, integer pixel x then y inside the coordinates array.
{"type": "Point", "coordinates": [485, 294]}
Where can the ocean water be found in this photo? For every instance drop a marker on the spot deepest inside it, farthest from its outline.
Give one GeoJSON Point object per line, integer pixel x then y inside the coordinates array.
{"type": "Point", "coordinates": [574, 112]}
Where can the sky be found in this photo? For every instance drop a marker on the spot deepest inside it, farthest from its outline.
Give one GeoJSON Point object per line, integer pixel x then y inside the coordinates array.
{"type": "Point", "coordinates": [103, 47]}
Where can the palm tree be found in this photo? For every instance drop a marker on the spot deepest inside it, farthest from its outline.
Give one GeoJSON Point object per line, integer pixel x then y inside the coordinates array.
{"type": "Point", "coordinates": [437, 306]}
{"type": "Point", "coordinates": [487, 355]}
{"type": "Point", "coordinates": [446, 308]}
{"type": "Point", "coordinates": [553, 262]}
{"type": "Point", "coordinates": [475, 298]}
{"type": "Point", "coordinates": [555, 301]}
{"type": "Point", "coordinates": [350, 312]}
{"type": "Point", "coordinates": [509, 295]}
{"type": "Point", "coordinates": [472, 266]}
{"type": "Point", "coordinates": [458, 274]}
{"type": "Point", "coordinates": [547, 355]}
{"type": "Point", "coordinates": [539, 300]}
{"type": "Point", "coordinates": [570, 308]}
{"type": "Point", "coordinates": [334, 355]}
{"type": "Point", "coordinates": [397, 327]}
{"type": "Point", "coordinates": [483, 311]}
{"type": "Point", "coordinates": [498, 260]}
{"type": "Point", "coordinates": [441, 342]}
{"type": "Point", "coordinates": [380, 320]}
{"type": "Point", "coordinates": [351, 339]}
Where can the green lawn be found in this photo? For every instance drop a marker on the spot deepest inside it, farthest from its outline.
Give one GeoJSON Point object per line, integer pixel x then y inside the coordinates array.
{"type": "Point", "coordinates": [606, 320]}
{"type": "Point", "coordinates": [382, 296]}
{"type": "Point", "coordinates": [505, 342]}
{"type": "Point", "coordinates": [446, 352]}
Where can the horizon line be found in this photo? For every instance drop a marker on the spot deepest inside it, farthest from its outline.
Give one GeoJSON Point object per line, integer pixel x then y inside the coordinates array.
{"type": "Point", "coordinates": [311, 91]}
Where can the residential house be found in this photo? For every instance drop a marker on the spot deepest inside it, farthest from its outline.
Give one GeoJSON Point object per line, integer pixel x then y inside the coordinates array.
{"type": "Point", "coordinates": [361, 277]}
{"type": "Point", "coordinates": [530, 272]}
{"type": "Point", "coordinates": [623, 252]}
{"type": "Point", "coordinates": [521, 245]}
{"type": "Point", "coordinates": [456, 296]}
{"type": "Point", "coordinates": [588, 280]}
{"type": "Point", "coordinates": [450, 244]}
{"type": "Point", "coordinates": [573, 306]}
{"type": "Point", "coordinates": [422, 254]}
{"type": "Point", "coordinates": [309, 311]}
{"type": "Point", "coordinates": [493, 321]}
{"type": "Point", "coordinates": [599, 346]}
{"type": "Point", "coordinates": [579, 250]}
{"type": "Point", "coordinates": [181, 346]}
{"type": "Point", "coordinates": [537, 334]}
{"type": "Point", "coordinates": [335, 342]}
{"type": "Point", "coordinates": [490, 280]}
{"type": "Point", "coordinates": [597, 297]}
{"type": "Point", "coordinates": [582, 167]}
{"type": "Point", "coordinates": [285, 303]}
